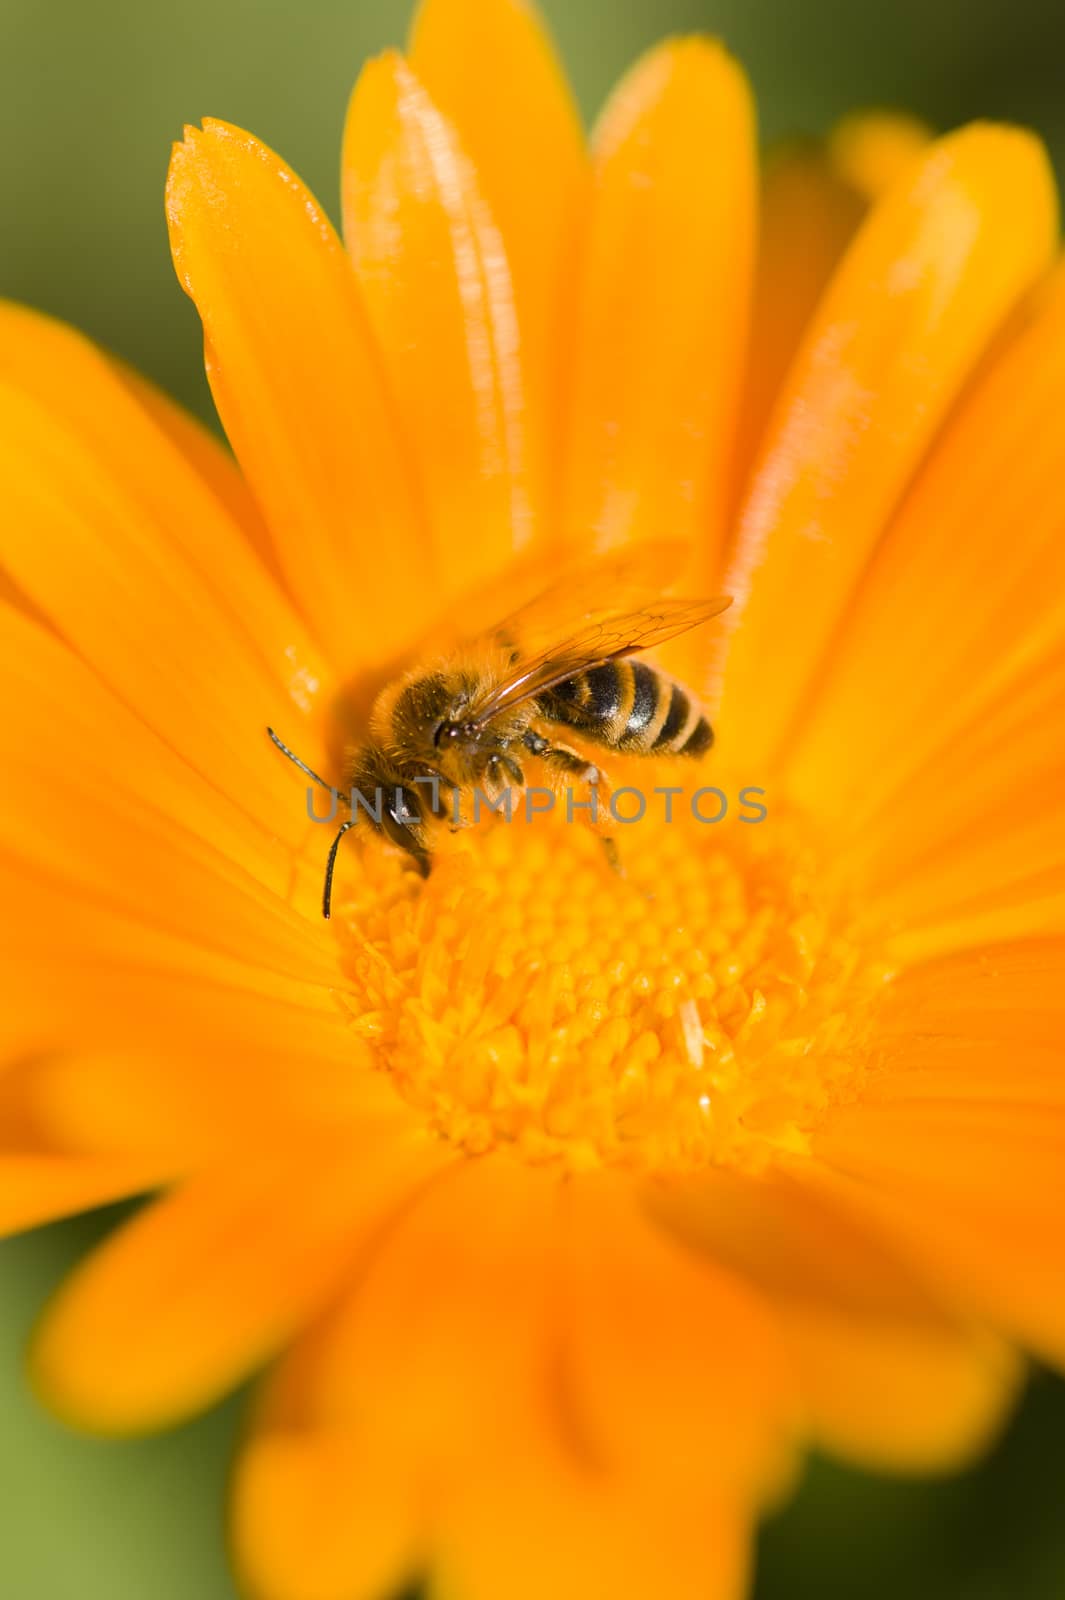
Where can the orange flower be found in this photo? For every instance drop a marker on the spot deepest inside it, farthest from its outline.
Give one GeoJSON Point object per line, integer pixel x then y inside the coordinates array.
{"type": "Point", "coordinates": [576, 1202]}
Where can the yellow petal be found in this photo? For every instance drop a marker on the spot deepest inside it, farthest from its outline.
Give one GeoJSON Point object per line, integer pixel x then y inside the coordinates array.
{"type": "Point", "coordinates": [131, 981]}
{"type": "Point", "coordinates": [663, 303]}
{"type": "Point", "coordinates": [1010, 993]}
{"type": "Point", "coordinates": [45, 1173]}
{"type": "Point", "coordinates": [1008, 1267]}
{"type": "Point", "coordinates": [179, 1107]}
{"type": "Point", "coordinates": [872, 150]}
{"type": "Point", "coordinates": [969, 1187]}
{"type": "Point", "coordinates": [179, 476]}
{"type": "Point", "coordinates": [983, 859]}
{"type": "Point", "coordinates": [519, 125]}
{"type": "Point", "coordinates": [948, 864]}
{"type": "Point", "coordinates": [946, 1021]}
{"type": "Point", "coordinates": [808, 216]}
{"type": "Point", "coordinates": [208, 457]}
{"type": "Point", "coordinates": [437, 287]}
{"type": "Point", "coordinates": [316, 1516]}
{"type": "Point", "coordinates": [299, 389]}
{"type": "Point", "coordinates": [135, 561]}
{"type": "Point", "coordinates": [641, 1311]}
{"type": "Point", "coordinates": [195, 1292]}
{"type": "Point", "coordinates": [956, 626]}
{"type": "Point", "coordinates": [540, 1525]}
{"type": "Point", "coordinates": [926, 284]}
{"type": "Point", "coordinates": [165, 843]}
{"type": "Point", "coordinates": [813, 199]}
{"type": "Point", "coordinates": [38, 1187]}
{"type": "Point", "coordinates": [885, 1374]}
{"type": "Point", "coordinates": [441, 1343]}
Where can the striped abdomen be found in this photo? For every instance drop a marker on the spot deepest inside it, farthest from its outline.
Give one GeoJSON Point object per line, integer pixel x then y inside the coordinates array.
{"type": "Point", "coordinates": [629, 705]}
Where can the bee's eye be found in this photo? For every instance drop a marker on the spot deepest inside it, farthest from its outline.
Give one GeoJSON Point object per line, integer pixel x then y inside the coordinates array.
{"type": "Point", "coordinates": [445, 730]}
{"type": "Point", "coordinates": [400, 823]}
{"type": "Point", "coordinates": [404, 812]}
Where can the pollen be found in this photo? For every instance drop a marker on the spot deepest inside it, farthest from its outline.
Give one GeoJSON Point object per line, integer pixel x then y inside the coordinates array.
{"type": "Point", "coordinates": [706, 1005]}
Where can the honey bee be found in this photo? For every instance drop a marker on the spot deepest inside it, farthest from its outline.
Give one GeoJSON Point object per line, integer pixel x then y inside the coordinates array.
{"type": "Point", "coordinates": [560, 668]}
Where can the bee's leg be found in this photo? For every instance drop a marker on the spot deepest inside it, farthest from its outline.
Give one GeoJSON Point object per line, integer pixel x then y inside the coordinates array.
{"type": "Point", "coordinates": [502, 769]}
{"type": "Point", "coordinates": [563, 762]}
{"type": "Point", "coordinates": [613, 857]}
{"type": "Point", "coordinates": [502, 765]}
{"type": "Point", "coordinates": [513, 771]}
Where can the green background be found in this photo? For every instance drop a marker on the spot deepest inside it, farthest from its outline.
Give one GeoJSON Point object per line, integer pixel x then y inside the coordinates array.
{"type": "Point", "coordinates": [91, 94]}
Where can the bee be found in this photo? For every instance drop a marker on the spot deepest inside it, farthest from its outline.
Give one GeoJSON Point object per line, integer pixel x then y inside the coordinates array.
{"type": "Point", "coordinates": [560, 668]}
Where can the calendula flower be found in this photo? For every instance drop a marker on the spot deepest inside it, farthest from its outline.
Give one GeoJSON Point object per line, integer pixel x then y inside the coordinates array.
{"type": "Point", "coordinates": [571, 1204]}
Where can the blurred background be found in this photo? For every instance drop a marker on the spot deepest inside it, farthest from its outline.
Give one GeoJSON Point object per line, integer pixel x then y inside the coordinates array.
{"type": "Point", "coordinates": [91, 96]}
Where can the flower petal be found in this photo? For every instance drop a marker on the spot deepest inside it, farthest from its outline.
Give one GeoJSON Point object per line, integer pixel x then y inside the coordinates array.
{"type": "Point", "coordinates": [935, 1180]}
{"type": "Point", "coordinates": [1011, 993]}
{"type": "Point", "coordinates": [971, 570]}
{"type": "Point", "coordinates": [874, 150]}
{"type": "Point", "coordinates": [520, 127]}
{"type": "Point", "coordinates": [442, 1341]}
{"type": "Point", "coordinates": [663, 303]}
{"type": "Point", "coordinates": [463, 1335]}
{"type": "Point", "coordinates": [38, 1187]}
{"type": "Point", "coordinates": [207, 456]}
{"type": "Point", "coordinates": [299, 388]}
{"type": "Point", "coordinates": [538, 1526]}
{"type": "Point", "coordinates": [130, 980]}
{"type": "Point", "coordinates": [165, 844]}
{"type": "Point", "coordinates": [183, 1301]}
{"type": "Point", "coordinates": [316, 1516]}
{"type": "Point", "coordinates": [956, 1148]}
{"type": "Point", "coordinates": [137, 564]}
{"type": "Point", "coordinates": [444, 1364]}
{"type": "Point", "coordinates": [886, 1374]}
{"type": "Point", "coordinates": [954, 825]}
{"type": "Point", "coordinates": [981, 859]}
{"type": "Point", "coordinates": [436, 283]}
{"type": "Point", "coordinates": [809, 214]}
{"type": "Point", "coordinates": [164, 1103]}
{"type": "Point", "coordinates": [640, 1312]}
{"type": "Point", "coordinates": [926, 284]}
{"type": "Point", "coordinates": [813, 198]}
{"type": "Point", "coordinates": [80, 384]}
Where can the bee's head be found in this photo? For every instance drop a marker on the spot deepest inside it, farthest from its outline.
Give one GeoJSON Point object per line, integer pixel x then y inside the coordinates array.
{"type": "Point", "coordinates": [395, 810]}
{"type": "Point", "coordinates": [403, 822]}
{"type": "Point", "coordinates": [384, 796]}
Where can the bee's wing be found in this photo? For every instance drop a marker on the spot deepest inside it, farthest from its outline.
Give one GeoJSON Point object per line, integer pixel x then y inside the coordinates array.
{"type": "Point", "coordinates": [598, 587]}
{"type": "Point", "coordinates": [603, 638]}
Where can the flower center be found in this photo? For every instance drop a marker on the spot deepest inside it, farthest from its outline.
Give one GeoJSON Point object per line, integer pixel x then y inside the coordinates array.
{"type": "Point", "coordinates": [707, 1006]}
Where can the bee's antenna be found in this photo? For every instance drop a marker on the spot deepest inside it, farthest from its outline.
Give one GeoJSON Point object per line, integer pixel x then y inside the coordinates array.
{"type": "Point", "coordinates": [327, 892]}
{"type": "Point", "coordinates": [292, 756]}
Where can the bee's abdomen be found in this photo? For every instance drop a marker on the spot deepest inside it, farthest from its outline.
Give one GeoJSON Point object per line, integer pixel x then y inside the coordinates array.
{"type": "Point", "coordinates": [630, 706]}
{"type": "Point", "coordinates": [684, 730]}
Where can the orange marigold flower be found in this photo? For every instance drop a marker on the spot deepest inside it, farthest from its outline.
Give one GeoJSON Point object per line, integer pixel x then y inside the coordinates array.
{"type": "Point", "coordinates": [572, 1204]}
